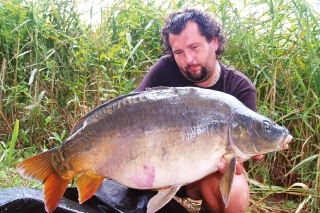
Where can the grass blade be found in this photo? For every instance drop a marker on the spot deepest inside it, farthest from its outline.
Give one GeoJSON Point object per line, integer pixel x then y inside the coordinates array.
{"type": "Point", "coordinates": [13, 140]}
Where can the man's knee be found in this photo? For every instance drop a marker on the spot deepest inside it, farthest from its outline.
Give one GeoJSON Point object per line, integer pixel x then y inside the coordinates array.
{"type": "Point", "coordinates": [240, 194]}
{"type": "Point", "coordinates": [208, 190]}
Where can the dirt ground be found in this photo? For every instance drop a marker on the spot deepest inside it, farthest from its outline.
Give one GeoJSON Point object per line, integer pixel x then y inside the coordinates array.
{"type": "Point", "coordinates": [271, 204]}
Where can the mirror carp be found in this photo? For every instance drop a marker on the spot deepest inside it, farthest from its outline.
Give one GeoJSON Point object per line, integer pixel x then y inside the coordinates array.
{"type": "Point", "coordinates": [161, 138]}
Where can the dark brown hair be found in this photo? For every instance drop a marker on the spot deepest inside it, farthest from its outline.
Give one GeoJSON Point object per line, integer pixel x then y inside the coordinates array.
{"type": "Point", "coordinates": [207, 23]}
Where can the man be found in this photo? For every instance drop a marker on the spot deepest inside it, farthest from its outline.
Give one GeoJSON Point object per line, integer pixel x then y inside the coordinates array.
{"type": "Point", "coordinates": [193, 41]}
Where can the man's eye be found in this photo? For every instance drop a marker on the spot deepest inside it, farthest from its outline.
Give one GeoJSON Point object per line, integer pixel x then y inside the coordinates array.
{"type": "Point", "coordinates": [194, 47]}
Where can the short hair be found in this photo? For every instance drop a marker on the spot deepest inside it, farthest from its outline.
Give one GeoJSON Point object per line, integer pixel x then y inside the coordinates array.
{"type": "Point", "coordinates": [208, 25]}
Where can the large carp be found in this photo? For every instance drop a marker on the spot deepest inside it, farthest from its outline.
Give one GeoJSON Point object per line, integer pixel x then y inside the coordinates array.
{"type": "Point", "coordinates": [161, 138]}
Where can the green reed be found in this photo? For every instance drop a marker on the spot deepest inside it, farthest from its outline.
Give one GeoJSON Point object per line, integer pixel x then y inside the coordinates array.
{"type": "Point", "coordinates": [56, 67]}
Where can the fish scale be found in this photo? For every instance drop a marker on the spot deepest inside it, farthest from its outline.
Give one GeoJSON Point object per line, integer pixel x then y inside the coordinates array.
{"type": "Point", "coordinates": [144, 140]}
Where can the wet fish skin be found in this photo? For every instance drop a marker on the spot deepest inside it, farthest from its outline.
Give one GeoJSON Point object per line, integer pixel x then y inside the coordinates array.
{"type": "Point", "coordinates": [145, 140]}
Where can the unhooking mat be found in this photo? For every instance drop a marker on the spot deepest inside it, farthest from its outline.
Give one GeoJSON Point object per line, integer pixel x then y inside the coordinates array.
{"type": "Point", "coordinates": [110, 198]}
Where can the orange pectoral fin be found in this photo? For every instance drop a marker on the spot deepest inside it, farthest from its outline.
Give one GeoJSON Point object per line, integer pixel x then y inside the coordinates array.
{"type": "Point", "coordinates": [39, 168]}
{"type": "Point", "coordinates": [88, 184]}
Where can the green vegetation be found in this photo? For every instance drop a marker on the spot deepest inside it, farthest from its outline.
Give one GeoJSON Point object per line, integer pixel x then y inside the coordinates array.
{"type": "Point", "coordinates": [55, 67]}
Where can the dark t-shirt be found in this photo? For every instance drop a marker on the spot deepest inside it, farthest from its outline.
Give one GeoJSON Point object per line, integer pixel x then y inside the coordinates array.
{"type": "Point", "coordinates": [165, 72]}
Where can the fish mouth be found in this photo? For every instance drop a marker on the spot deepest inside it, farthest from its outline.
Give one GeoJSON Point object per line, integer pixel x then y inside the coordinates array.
{"type": "Point", "coordinates": [285, 144]}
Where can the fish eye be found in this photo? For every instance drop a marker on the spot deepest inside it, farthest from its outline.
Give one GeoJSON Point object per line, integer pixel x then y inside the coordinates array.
{"type": "Point", "coordinates": [266, 125]}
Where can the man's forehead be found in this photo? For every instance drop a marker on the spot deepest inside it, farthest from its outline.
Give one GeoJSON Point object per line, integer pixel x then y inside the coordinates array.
{"type": "Point", "coordinates": [189, 36]}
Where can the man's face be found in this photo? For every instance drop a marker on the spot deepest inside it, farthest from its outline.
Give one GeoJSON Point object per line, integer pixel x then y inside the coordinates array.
{"type": "Point", "coordinates": [194, 55]}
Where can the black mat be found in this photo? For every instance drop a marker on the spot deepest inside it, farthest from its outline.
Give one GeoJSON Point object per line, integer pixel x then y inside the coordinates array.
{"type": "Point", "coordinates": [110, 198]}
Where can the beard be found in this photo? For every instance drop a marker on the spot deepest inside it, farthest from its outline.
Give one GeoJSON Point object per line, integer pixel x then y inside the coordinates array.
{"type": "Point", "coordinates": [197, 77]}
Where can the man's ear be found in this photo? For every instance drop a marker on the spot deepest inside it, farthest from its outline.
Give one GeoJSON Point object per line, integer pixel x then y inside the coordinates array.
{"type": "Point", "coordinates": [215, 43]}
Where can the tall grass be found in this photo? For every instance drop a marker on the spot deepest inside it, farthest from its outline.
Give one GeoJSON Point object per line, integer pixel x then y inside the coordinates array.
{"type": "Point", "coordinates": [55, 67]}
{"type": "Point", "coordinates": [279, 49]}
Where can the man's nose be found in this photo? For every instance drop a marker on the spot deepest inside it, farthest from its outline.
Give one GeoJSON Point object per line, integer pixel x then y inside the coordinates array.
{"type": "Point", "coordinates": [188, 57]}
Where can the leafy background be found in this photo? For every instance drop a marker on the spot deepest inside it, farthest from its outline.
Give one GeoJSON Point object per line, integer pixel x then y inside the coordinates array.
{"type": "Point", "coordinates": [55, 67]}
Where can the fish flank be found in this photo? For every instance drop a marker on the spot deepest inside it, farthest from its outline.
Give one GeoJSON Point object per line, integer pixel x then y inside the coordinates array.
{"type": "Point", "coordinates": [175, 91]}
{"type": "Point", "coordinates": [135, 100]}
{"type": "Point", "coordinates": [189, 89]}
{"type": "Point", "coordinates": [142, 98]}
{"type": "Point", "coordinates": [124, 102]}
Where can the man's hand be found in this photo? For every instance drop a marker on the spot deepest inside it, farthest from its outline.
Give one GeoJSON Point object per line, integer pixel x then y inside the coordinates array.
{"type": "Point", "coordinates": [258, 157]}
{"type": "Point", "coordinates": [239, 166]}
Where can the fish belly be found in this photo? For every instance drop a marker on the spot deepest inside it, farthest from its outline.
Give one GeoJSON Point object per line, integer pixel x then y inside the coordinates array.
{"type": "Point", "coordinates": [159, 162]}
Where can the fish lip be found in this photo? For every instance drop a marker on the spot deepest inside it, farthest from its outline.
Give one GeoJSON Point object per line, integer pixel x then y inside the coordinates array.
{"type": "Point", "coordinates": [287, 139]}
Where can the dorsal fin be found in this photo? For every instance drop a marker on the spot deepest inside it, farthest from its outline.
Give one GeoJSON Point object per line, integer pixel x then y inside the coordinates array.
{"type": "Point", "coordinates": [80, 121]}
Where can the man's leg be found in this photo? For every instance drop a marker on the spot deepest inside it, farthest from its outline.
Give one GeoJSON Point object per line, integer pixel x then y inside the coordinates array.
{"type": "Point", "coordinates": [208, 189]}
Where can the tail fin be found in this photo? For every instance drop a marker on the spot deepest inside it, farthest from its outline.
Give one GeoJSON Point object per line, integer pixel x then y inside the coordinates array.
{"type": "Point", "coordinates": [39, 168]}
